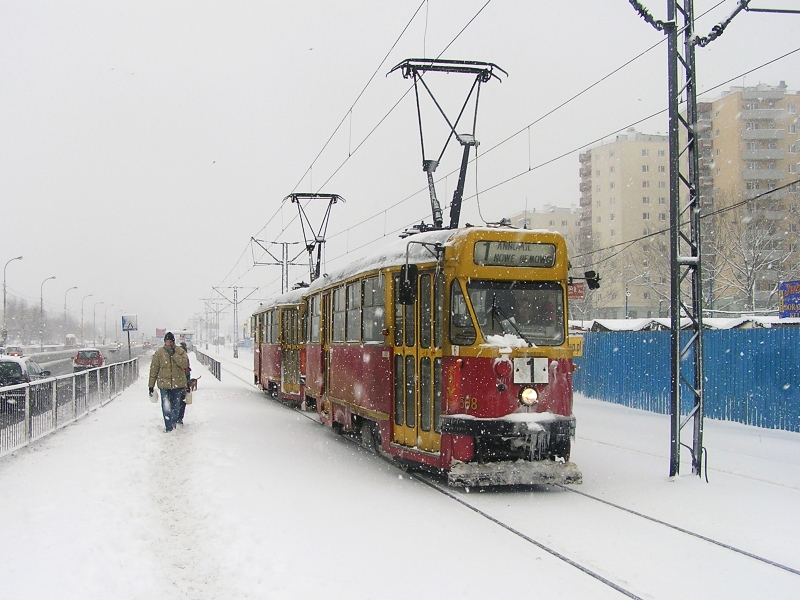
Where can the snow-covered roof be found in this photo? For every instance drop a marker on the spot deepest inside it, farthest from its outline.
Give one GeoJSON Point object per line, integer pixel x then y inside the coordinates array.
{"type": "Point", "coordinates": [393, 253]}
{"type": "Point", "coordinates": [664, 324]}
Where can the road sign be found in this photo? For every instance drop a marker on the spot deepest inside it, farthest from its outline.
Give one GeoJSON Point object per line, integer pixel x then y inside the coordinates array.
{"type": "Point", "coordinates": [129, 323]}
{"type": "Point", "coordinates": [576, 290]}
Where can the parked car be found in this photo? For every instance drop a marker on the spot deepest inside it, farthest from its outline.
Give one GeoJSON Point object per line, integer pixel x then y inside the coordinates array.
{"type": "Point", "coordinates": [87, 358]}
{"type": "Point", "coordinates": [15, 370]}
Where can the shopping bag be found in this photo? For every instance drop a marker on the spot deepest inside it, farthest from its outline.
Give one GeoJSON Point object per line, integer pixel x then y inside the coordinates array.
{"type": "Point", "coordinates": [188, 398]}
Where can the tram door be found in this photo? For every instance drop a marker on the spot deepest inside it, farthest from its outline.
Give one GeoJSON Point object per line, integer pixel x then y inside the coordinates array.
{"type": "Point", "coordinates": [418, 365]}
{"type": "Point", "coordinates": [290, 351]}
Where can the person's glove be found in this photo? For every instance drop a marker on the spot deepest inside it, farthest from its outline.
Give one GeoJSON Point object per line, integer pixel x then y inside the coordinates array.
{"type": "Point", "coordinates": [150, 390]}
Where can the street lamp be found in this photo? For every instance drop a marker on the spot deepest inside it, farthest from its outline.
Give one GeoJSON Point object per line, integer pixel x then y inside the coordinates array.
{"type": "Point", "coordinates": [105, 314]}
{"type": "Point", "coordinates": [628, 294]}
{"type": "Point", "coordinates": [41, 313]}
{"type": "Point", "coordinates": [64, 332]}
{"type": "Point", "coordinates": [94, 322]}
{"type": "Point", "coordinates": [5, 329]}
{"type": "Point", "coordinates": [83, 338]}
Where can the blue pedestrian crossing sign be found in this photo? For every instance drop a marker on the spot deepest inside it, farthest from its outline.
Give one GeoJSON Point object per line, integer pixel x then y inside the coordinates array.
{"type": "Point", "coordinates": [129, 323]}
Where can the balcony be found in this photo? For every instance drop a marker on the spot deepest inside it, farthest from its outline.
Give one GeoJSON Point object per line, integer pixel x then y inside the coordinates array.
{"type": "Point", "coordinates": [585, 186]}
{"type": "Point", "coordinates": [764, 175]}
{"type": "Point", "coordinates": [585, 171]}
{"type": "Point", "coordinates": [763, 114]}
{"type": "Point", "coordinates": [766, 154]}
{"type": "Point", "coordinates": [705, 144]}
{"type": "Point", "coordinates": [585, 157]}
{"type": "Point", "coordinates": [764, 134]}
{"type": "Point", "coordinates": [776, 195]}
{"type": "Point", "coordinates": [703, 125]}
{"type": "Point", "coordinates": [762, 95]}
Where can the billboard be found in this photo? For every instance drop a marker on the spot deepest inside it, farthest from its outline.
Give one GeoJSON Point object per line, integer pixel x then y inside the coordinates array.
{"type": "Point", "coordinates": [789, 300]}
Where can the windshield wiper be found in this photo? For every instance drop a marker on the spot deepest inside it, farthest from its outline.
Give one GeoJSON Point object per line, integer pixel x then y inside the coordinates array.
{"type": "Point", "coordinates": [505, 322]}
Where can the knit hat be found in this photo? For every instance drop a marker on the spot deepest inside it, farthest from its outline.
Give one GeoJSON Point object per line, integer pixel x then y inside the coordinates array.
{"type": "Point", "coordinates": [169, 336]}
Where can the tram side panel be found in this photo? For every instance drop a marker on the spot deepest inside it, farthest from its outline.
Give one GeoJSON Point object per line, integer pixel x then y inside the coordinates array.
{"type": "Point", "coordinates": [271, 368]}
{"type": "Point", "coordinates": [360, 376]}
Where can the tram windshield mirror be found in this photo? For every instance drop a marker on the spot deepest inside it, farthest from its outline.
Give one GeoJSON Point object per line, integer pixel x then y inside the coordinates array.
{"type": "Point", "coordinates": [407, 293]}
{"type": "Point", "coordinates": [533, 310]}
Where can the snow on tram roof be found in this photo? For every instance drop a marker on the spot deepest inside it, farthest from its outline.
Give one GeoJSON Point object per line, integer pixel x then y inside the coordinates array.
{"type": "Point", "coordinates": [393, 253]}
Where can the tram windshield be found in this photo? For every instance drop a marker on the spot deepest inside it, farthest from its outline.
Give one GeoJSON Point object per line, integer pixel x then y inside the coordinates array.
{"type": "Point", "coordinates": [533, 311]}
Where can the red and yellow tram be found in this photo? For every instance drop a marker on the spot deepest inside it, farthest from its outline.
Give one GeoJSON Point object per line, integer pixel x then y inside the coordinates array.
{"type": "Point", "coordinates": [448, 349]}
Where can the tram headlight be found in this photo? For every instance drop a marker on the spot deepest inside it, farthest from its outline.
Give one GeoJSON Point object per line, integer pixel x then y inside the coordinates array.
{"type": "Point", "coordinates": [528, 396]}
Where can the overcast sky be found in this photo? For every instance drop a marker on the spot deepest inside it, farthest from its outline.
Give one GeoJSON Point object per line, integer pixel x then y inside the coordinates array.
{"type": "Point", "coordinates": [142, 144]}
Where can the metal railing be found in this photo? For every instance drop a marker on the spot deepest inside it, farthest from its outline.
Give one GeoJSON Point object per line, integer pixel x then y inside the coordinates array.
{"type": "Point", "coordinates": [33, 410]}
{"type": "Point", "coordinates": [213, 365]}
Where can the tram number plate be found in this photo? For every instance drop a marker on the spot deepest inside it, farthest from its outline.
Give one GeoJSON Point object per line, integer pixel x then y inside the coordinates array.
{"type": "Point", "coordinates": [468, 403]}
{"type": "Point", "coordinates": [530, 370]}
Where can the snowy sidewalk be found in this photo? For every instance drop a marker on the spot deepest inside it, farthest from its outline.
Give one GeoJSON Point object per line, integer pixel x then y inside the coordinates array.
{"type": "Point", "coordinates": [253, 500]}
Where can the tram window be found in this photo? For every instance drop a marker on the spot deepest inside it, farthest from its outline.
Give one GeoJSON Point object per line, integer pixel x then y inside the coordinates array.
{"type": "Point", "coordinates": [425, 310]}
{"type": "Point", "coordinates": [286, 327]}
{"type": "Point", "coordinates": [398, 389]}
{"type": "Point", "coordinates": [313, 320]}
{"type": "Point", "coordinates": [425, 393]}
{"type": "Point", "coordinates": [462, 330]}
{"type": "Point", "coordinates": [354, 312]}
{"type": "Point", "coordinates": [273, 326]}
{"type": "Point", "coordinates": [338, 315]}
{"type": "Point", "coordinates": [409, 324]}
{"type": "Point", "coordinates": [398, 314]}
{"type": "Point", "coordinates": [531, 310]}
{"type": "Point", "coordinates": [411, 405]}
{"type": "Point", "coordinates": [372, 312]}
{"type": "Point", "coordinates": [438, 313]}
{"type": "Point", "coordinates": [437, 394]}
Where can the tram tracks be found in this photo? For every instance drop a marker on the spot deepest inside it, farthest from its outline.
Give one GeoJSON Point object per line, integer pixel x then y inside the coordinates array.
{"type": "Point", "coordinates": [457, 496]}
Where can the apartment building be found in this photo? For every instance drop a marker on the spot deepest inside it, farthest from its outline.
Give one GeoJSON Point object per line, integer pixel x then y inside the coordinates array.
{"type": "Point", "coordinates": [564, 220]}
{"type": "Point", "coordinates": [624, 189]}
{"type": "Point", "coordinates": [749, 147]}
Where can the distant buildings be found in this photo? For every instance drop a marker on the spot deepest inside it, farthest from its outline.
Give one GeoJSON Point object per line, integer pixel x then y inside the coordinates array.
{"type": "Point", "coordinates": [748, 146]}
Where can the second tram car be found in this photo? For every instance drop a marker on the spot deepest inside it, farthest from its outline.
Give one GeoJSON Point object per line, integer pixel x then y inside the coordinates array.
{"type": "Point", "coordinates": [447, 349]}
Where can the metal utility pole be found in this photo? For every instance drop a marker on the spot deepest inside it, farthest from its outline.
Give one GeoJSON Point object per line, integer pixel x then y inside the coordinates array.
{"type": "Point", "coordinates": [235, 301]}
{"type": "Point", "coordinates": [284, 261]}
{"type": "Point", "coordinates": [214, 325]}
{"type": "Point", "coordinates": [686, 291]}
{"type": "Point", "coordinates": [415, 68]}
{"type": "Point", "coordinates": [314, 238]}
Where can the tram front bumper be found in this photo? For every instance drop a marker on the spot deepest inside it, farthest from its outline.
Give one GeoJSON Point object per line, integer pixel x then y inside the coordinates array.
{"type": "Point", "coordinates": [520, 472]}
{"type": "Point", "coordinates": [542, 434]}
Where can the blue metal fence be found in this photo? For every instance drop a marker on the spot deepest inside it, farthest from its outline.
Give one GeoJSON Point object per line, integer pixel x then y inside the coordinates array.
{"type": "Point", "coordinates": [752, 375]}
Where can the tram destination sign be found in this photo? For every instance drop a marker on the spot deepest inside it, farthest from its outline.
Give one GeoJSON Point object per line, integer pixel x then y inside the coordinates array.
{"type": "Point", "coordinates": [514, 254]}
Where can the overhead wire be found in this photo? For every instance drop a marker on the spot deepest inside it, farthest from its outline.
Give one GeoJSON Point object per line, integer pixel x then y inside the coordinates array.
{"type": "Point", "coordinates": [526, 128]}
{"type": "Point", "coordinates": [576, 149]}
{"type": "Point", "coordinates": [463, 29]}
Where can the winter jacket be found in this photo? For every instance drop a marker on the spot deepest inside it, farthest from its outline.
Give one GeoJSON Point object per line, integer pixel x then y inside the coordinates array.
{"type": "Point", "coordinates": [169, 371]}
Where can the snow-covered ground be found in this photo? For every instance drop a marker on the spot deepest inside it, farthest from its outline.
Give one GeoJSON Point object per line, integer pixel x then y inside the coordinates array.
{"type": "Point", "coordinates": [253, 500]}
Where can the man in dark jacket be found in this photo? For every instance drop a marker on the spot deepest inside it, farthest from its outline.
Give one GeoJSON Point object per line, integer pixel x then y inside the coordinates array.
{"type": "Point", "coordinates": [168, 370]}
